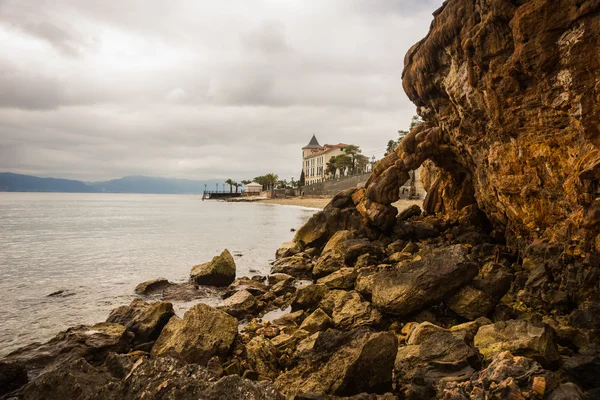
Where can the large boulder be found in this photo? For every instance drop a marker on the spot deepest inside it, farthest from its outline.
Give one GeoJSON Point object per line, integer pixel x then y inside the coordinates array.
{"type": "Point", "coordinates": [317, 321]}
{"type": "Point", "coordinates": [349, 310]}
{"type": "Point", "coordinates": [424, 282]}
{"type": "Point", "coordinates": [13, 375]}
{"type": "Point", "coordinates": [299, 266]}
{"type": "Point", "coordinates": [218, 272]}
{"type": "Point", "coordinates": [521, 338]}
{"type": "Point", "coordinates": [90, 342]}
{"type": "Point", "coordinates": [433, 355]}
{"type": "Point", "coordinates": [341, 279]}
{"type": "Point", "coordinates": [288, 249]}
{"type": "Point", "coordinates": [241, 304]}
{"type": "Point", "coordinates": [145, 320]}
{"type": "Point", "coordinates": [343, 364]}
{"type": "Point", "coordinates": [262, 357]}
{"type": "Point", "coordinates": [152, 286]}
{"type": "Point", "coordinates": [201, 334]}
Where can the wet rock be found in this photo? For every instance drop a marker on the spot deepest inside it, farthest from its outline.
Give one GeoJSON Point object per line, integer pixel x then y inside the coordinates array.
{"type": "Point", "coordinates": [308, 297]}
{"type": "Point", "coordinates": [13, 375]}
{"type": "Point", "coordinates": [349, 310]}
{"type": "Point", "coordinates": [90, 342]}
{"type": "Point", "coordinates": [341, 279]}
{"type": "Point", "coordinates": [152, 286]}
{"type": "Point", "coordinates": [145, 320]}
{"type": "Point", "coordinates": [317, 321]}
{"type": "Point", "coordinates": [220, 271]}
{"type": "Point", "coordinates": [522, 338]}
{"type": "Point", "coordinates": [299, 266]}
{"type": "Point", "coordinates": [241, 304]}
{"type": "Point", "coordinates": [313, 232]}
{"type": "Point", "coordinates": [343, 364]}
{"type": "Point", "coordinates": [253, 286]}
{"type": "Point", "coordinates": [262, 356]}
{"type": "Point", "coordinates": [203, 332]}
{"type": "Point", "coordinates": [288, 249]}
{"type": "Point", "coordinates": [423, 282]}
{"type": "Point", "coordinates": [433, 355]}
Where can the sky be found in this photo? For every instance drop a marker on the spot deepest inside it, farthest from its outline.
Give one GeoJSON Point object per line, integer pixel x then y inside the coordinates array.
{"type": "Point", "coordinates": [198, 89]}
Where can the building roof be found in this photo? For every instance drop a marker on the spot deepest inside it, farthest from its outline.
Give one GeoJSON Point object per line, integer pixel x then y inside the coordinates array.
{"type": "Point", "coordinates": [253, 184]}
{"type": "Point", "coordinates": [313, 144]}
{"type": "Point", "coordinates": [325, 149]}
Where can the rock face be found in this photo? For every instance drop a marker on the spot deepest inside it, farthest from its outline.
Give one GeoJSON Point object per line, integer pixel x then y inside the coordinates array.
{"type": "Point", "coordinates": [202, 333]}
{"type": "Point", "coordinates": [218, 272]}
{"type": "Point", "coordinates": [12, 376]}
{"type": "Point", "coordinates": [423, 282]}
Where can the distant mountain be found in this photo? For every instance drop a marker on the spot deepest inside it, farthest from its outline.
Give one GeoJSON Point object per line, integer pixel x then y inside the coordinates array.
{"type": "Point", "coordinates": [25, 183]}
{"type": "Point", "coordinates": [10, 182]}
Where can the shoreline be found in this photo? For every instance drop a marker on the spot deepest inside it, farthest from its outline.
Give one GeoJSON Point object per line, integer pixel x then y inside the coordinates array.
{"type": "Point", "coordinates": [316, 202]}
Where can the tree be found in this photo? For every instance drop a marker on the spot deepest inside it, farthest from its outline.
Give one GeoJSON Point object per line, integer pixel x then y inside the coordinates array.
{"type": "Point", "coordinates": [271, 179]}
{"type": "Point", "coordinates": [391, 146]}
{"type": "Point", "coordinates": [302, 179]}
{"type": "Point", "coordinates": [230, 182]}
{"type": "Point", "coordinates": [361, 163]}
{"type": "Point", "coordinates": [416, 120]}
{"type": "Point", "coordinates": [246, 181]}
{"type": "Point", "coordinates": [343, 162]}
{"type": "Point", "coordinates": [331, 168]}
{"type": "Point", "coordinates": [237, 185]}
{"type": "Point", "coordinates": [351, 151]}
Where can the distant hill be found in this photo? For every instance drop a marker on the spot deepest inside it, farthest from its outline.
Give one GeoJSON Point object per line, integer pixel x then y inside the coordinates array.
{"type": "Point", "coordinates": [10, 182]}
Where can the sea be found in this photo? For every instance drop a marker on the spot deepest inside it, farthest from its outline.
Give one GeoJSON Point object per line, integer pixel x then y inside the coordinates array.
{"type": "Point", "coordinates": [95, 248]}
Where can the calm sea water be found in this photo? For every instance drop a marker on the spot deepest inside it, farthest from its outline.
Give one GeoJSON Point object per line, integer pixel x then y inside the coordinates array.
{"type": "Point", "coordinates": [98, 247]}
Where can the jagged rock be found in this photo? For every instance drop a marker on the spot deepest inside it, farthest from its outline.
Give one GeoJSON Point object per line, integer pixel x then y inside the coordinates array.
{"type": "Point", "coordinates": [470, 328]}
{"type": "Point", "coordinates": [423, 282]}
{"type": "Point", "coordinates": [90, 342]}
{"type": "Point", "coordinates": [584, 370]}
{"type": "Point", "coordinates": [433, 355]}
{"type": "Point", "coordinates": [241, 304]}
{"type": "Point", "coordinates": [151, 286]}
{"type": "Point", "coordinates": [343, 364]}
{"type": "Point", "coordinates": [506, 377]}
{"type": "Point", "coordinates": [399, 257]}
{"type": "Point", "coordinates": [587, 316]}
{"type": "Point", "coordinates": [523, 338]}
{"type": "Point", "coordinates": [203, 332]}
{"type": "Point", "coordinates": [251, 285]}
{"type": "Point", "coordinates": [278, 277]}
{"type": "Point", "coordinates": [365, 281]}
{"type": "Point", "coordinates": [145, 320]}
{"type": "Point", "coordinates": [313, 231]}
{"type": "Point", "coordinates": [297, 266]}
{"type": "Point", "coordinates": [341, 279]}
{"type": "Point", "coordinates": [349, 310]}
{"type": "Point", "coordinates": [13, 375]}
{"type": "Point", "coordinates": [119, 365]}
{"type": "Point", "coordinates": [288, 249]}
{"type": "Point", "coordinates": [262, 356]}
{"type": "Point", "coordinates": [317, 321]}
{"type": "Point", "coordinates": [334, 244]}
{"type": "Point", "coordinates": [308, 297]}
{"type": "Point", "coordinates": [328, 264]}
{"type": "Point", "coordinates": [220, 271]}
{"type": "Point", "coordinates": [283, 286]}
{"type": "Point", "coordinates": [407, 213]}
{"type": "Point", "coordinates": [470, 303]}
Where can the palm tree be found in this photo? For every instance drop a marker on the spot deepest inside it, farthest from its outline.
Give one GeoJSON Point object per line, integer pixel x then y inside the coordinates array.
{"type": "Point", "coordinates": [237, 185]}
{"type": "Point", "coordinates": [246, 181]}
{"type": "Point", "coordinates": [230, 182]}
{"type": "Point", "coordinates": [271, 179]}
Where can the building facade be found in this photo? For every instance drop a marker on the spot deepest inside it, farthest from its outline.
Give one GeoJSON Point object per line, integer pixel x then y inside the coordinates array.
{"type": "Point", "coordinates": [315, 158]}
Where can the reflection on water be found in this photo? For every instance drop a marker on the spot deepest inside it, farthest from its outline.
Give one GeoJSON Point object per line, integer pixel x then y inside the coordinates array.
{"type": "Point", "coordinates": [97, 247]}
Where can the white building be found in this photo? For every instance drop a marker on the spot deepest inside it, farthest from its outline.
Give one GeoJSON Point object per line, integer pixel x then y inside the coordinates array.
{"type": "Point", "coordinates": [254, 188]}
{"type": "Point", "coordinates": [315, 158]}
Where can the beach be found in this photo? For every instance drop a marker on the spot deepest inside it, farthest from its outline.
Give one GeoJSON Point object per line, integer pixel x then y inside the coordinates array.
{"type": "Point", "coordinates": [319, 202]}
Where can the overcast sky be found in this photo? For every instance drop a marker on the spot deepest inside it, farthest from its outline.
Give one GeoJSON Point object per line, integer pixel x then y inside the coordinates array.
{"type": "Point", "coordinates": [99, 89]}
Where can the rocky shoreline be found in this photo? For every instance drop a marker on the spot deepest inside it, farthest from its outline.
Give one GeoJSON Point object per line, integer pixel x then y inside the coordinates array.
{"type": "Point", "coordinates": [437, 309]}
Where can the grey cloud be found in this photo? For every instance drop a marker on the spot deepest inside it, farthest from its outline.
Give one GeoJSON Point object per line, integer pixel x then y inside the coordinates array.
{"type": "Point", "coordinates": [199, 89]}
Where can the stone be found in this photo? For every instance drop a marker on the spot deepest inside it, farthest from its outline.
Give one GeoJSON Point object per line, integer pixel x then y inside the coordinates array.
{"type": "Point", "coordinates": [341, 279]}
{"type": "Point", "coordinates": [278, 277]}
{"type": "Point", "coordinates": [288, 249]}
{"type": "Point", "coordinates": [328, 264]}
{"type": "Point", "coordinates": [349, 310]}
{"type": "Point", "coordinates": [298, 266]}
{"type": "Point", "coordinates": [470, 328]}
{"type": "Point", "coordinates": [241, 304]}
{"type": "Point", "coordinates": [343, 364]}
{"type": "Point", "coordinates": [409, 212]}
{"type": "Point", "coordinates": [13, 375]}
{"type": "Point", "coordinates": [202, 333]}
{"type": "Point", "coordinates": [283, 286]}
{"type": "Point", "coordinates": [587, 316]}
{"type": "Point", "coordinates": [521, 338]}
{"type": "Point", "coordinates": [567, 391]}
{"type": "Point", "coordinates": [334, 244]}
{"type": "Point", "coordinates": [145, 320]}
{"type": "Point", "coordinates": [583, 369]}
{"type": "Point", "coordinates": [470, 303]}
{"type": "Point", "coordinates": [119, 365]}
{"type": "Point", "coordinates": [151, 286]}
{"type": "Point", "coordinates": [365, 281]}
{"type": "Point", "coordinates": [253, 286]}
{"type": "Point", "coordinates": [262, 356]}
{"type": "Point", "coordinates": [317, 321]}
{"type": "Point", "coordinates": [308, 297]}
{"type": "Point", "coordinates": [433, 355]}
{"type": "Point", "coordinates": [313, 232]}
{"type": "Point", "coordinates": [424, 282]}
{"type": "Point", "coordinates": [93, 343]}
{"type": "Point", "coordinates": [220, 271]}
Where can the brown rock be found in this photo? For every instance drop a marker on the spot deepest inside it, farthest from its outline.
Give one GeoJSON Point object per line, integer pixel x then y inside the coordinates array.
{"type": "Point", "coordinates": [341, 279]}
{"type": "Point", "coordinates": [145, 320]}
{"type": "Point", "coordinates": [218, 272]}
